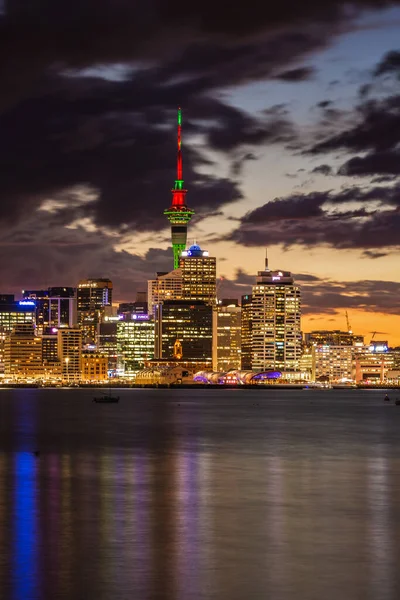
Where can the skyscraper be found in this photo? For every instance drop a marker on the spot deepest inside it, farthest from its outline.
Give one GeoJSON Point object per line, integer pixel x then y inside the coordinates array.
{"type": "Point", "coordinates": [247, 324]}
{"type": "Point", "coordinates": [198, 275]}
{"type": "Point", "coordinates": [184, 330]}
{"type": "Point", "coordinates": [55, 307]}
{"type": "Point", "coordinates": [276, 332]}
{"type": "Point", "coordinates": [178, 213]}
{"type": "Point", "coordinates": [93, 296]}
{"type": "Point", "coordinates": [69, 344]}
{"type": "Point", "coordinates": [227, 336]}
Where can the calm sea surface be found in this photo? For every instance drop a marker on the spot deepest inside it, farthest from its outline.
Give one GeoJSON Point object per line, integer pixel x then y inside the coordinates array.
{"type": "Point", "coordinates": [185, 495]}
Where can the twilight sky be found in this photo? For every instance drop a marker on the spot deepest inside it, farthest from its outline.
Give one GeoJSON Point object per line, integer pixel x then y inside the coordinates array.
{"type": "Point", "coordinates": [291, 141]}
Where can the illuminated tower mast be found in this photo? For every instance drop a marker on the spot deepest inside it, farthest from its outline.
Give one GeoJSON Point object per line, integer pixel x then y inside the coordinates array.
{"type": "Point", "coordinates": [178, 213]}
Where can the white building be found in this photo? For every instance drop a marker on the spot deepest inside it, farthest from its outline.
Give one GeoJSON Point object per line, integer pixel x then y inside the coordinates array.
{"type": "Point", "coordinates": [227, 336]}
{"type": "Point", "coordinates": [199, 275]}
{"type": "Point", "coordinates": [166, 286]}
{"type": "Point", "coordinates": [276, 330]}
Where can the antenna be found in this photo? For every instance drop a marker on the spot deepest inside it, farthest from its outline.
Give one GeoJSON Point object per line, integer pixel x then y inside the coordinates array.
{"type": "Point", "coordinates": [266, 259]}
{"type": "Point", "coordinates": [179, 157]}
{"type": "Point", "coordinates": [348, 323]}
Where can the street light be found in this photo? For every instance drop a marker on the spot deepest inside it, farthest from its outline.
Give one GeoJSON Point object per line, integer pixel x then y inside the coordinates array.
{"type": "Point", "coordinates": [66, 362]}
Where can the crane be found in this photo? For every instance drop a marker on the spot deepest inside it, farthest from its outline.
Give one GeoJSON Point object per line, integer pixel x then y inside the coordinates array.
{"type": "Point", "coordinates": [348, 323]}
{"type": "Point", "coordinates": [375, 332]}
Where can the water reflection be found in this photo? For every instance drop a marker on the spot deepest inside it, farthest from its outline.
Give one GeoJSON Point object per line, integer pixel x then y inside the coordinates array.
{"type": "Point", "coordinates": [25, 528]}
{"type": "Point", "coordinates": [158, 502]}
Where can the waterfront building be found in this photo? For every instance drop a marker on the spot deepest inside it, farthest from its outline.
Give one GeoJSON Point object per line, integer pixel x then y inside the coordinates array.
{"type": "Point", "coordinates": [54, 307]}
{"type": "Point", "coordinates": [166, 286]}
{"type": "Point", "coordinates": [184, 330]}
{"type": "Point", "coordinates": [23, 353]}
{"type": "Point", "coordinates": [69, 345]}
{"type": "Point", "coordinates": [13, 313]}
{"type": "Point", "coordinates": [246, 333]}
{"type": "Point", "coordinates": [276, 330]}
{"type": "Point", "coordinates": [135, 343]}
{"type": "Point", "coordinates": [93, 296]}
{"type": "Point", "coordinates": [333, 364]}
{"type": "Point", "coordinates": [227, 335]}
{"type": "Point", "coordinates": [372, 367]}
{"type": "Point", "coordinates": [94, 366]}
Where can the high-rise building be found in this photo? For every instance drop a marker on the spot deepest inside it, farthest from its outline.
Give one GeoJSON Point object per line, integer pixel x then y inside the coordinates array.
{"type": "Point", "coordinates": [107, 342]}
{"type": "Point", "coordinates": [247, 328]}
{"type": "Point", "coordinates": [198, 275]}
{"type": "Point", "coordinates": [11, 314]}
{"type": "Point", "coordinates": [69, 345]}
{"type": "Point", "coordinates": [23, 353]}
{"type": "Point", "coordinates": [178, 213]}
{"type": "Point", "coordinates": [166, 286]}
{"type": "Point", "coordinates": [93, 295]}
{"type": "Point", "coordinates": [184, 330]}
{"type": "Point", "coordinates": [135, 342]}
{"type": "Point", "coordinates": [55, 307]}
{"type": "Point", "coordinates": [332, 363]}
{"type": "Point", "coordinates": [276, 331]}
{"type": "Point", "coordinates": [227, 335]}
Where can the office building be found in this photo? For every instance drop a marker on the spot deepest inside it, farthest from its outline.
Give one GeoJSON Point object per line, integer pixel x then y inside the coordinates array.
{"type": "Point", "coordinates": [93, 295]}
{"type": "Point", "coordinates": [69, 345]}
{"type": "Point", "coordinates": [54, 307]}
{"type": "Point", "coordinates": [166, 286]}
{"type": "Point", "coordinates": [107, 342]}
{"type": "Point", "coordinates": [198, 275]}
{"type": "Point", "coordinates": [94, 366]}
{"type": "Point", "coordinates": [23, 353]}
{"type": "Point", "coordinates": [135, 343]}
{"type": "Point", "coordinates": [12, 314]}
{"type": "Point", "coordinates": [333, 338]}
{"type": "Point", "coordinates": [276, 331]}
{"type": "Point", "coordinates": [184, 330]}
{"type": "Point", "coordinates": [227, 335]}
{"type": "Point", "coordinates": [333, 364]}
{"type": "Point", "coordinates": [246, 333]}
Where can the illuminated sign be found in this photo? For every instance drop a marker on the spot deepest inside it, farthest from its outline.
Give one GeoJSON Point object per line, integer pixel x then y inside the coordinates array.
{"type": "Point", "coordinates": [275, 278]}
{"type": "Point", "coordinates": [26, 303]}
{"type": "Point", "coordinates": [140, 317]}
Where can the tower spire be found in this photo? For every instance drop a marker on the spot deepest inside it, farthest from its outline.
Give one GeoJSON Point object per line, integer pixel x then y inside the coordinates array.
{"type": "Point", "coordinates": [178, 213]}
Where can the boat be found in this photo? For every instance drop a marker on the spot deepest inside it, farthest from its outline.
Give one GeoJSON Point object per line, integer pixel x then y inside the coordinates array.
{"type": "Point", "coordinates": [386, 398]}
{"type": "Point", "coordinates": [106, 398]}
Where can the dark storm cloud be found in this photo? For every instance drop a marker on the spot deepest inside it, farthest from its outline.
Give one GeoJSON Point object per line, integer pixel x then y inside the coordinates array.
{"type": "Point", "coordinates": [330, 297]}
{"type": "Point", "coordinates": [299, 74]}
{"type": "Point", "coordinates": [389, 64]}
{"type": "Point", "coordinates": [372, 164]}
{"type": "Point", "coordinates": [69, 255]}
{"type": "Point", "coordinates": [326, 218]}
{"type": "Point", "coordinates": [377, 128]}
{"type": "Point", "coordinates": [323, 170]}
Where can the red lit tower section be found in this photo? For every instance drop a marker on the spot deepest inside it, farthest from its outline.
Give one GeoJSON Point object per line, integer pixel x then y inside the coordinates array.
{"type": "Point", "coordinates": [178, 213]}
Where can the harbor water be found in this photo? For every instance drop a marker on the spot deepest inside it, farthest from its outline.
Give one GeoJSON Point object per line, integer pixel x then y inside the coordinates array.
{"type": "Point", "coordinates": [199, 494]}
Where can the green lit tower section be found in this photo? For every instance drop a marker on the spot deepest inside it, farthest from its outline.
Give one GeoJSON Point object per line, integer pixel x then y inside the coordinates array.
{"type": "Point", "coordinates": [178, 213]}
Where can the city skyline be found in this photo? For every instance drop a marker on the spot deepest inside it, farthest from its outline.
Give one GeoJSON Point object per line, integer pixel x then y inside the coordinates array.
{"type": "Point", "coordinates": [295, 150]}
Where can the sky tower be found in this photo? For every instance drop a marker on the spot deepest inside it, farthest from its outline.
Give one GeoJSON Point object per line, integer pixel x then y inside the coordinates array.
{"type": "Point", "coordinates": [178, 213]}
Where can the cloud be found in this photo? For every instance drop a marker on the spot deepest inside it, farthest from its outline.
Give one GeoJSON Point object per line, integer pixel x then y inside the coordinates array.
{"type": "Point", "coordinates": [323, 170]}
{"type": "Point", "coordinates": [331, 297]}
{"type": "Point", "coordinates": [374, 163]}
{"type": "Point", "coordinates": [389, 64]}
{"type": "Point", "coordinates": [351, 218]}
{"type": "Point", "coordinates": [299, 74]}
